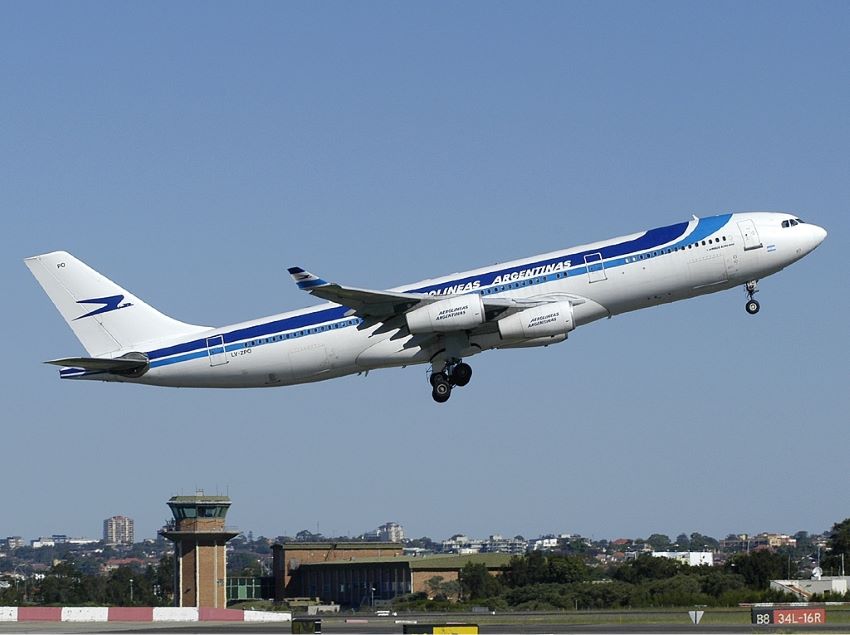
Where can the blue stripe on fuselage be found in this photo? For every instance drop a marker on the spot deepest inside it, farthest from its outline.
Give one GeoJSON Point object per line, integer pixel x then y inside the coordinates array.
{"type": "Point", "coordinates": [612, 256]}
{"type": "Point", "coordinates": [651, 239]}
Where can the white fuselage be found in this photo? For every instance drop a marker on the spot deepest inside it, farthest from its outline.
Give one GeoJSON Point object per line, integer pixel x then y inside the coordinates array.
{"type": "Point", "coordinates": [603, 279]}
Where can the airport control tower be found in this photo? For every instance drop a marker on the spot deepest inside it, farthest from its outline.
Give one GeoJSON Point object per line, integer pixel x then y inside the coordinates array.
{"type": "Point", "coordinates": [199, 537]}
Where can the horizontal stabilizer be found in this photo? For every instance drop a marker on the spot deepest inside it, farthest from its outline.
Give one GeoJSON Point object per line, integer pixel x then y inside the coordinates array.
{"type": "Point", "coordinates": [118, 365]}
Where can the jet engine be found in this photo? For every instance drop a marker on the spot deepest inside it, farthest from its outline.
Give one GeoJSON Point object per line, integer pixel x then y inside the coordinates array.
{"type": "Point", "coordinates": [544, 321]}
{"type": "Point", "coordinates": [456, 313]}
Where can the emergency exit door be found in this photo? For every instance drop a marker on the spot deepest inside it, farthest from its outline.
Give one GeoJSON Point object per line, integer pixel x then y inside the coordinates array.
{"type": "Point", "coordinates": [215, 349]}
{"type": "Point", "coordinates": [750, 234]}
{"type": "Point", "coordinates": [595, 267]}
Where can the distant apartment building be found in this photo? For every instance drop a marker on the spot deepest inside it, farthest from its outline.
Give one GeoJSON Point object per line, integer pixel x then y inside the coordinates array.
{"type": "Point", "coordinates": [735, 543]}
{"type": "Point", "coordinates": [460, 543]}
{"type": "Point", "coordinates": [498, 544]}
{"type": "Point", "coordinates": [390, 532]}
{"type": "Point", "coordinates": [544, 544]}
{"type": "Point", "coordinates": [775, 541]}
{"type": "Point", "coordinates": [118, 530]}
{"type": "Point", "coordinates": [41, 542]}
{"type": "Point", "coordinates": [745, 542]}
{"type": "Point", "coordinates": [14, 542]}
{"type": "Point", "coordinates": [80, 541]}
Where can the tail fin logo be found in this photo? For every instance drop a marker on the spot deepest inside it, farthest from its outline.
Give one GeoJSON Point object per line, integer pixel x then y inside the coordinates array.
{"type": "Point", "coordinates": [110, 303]}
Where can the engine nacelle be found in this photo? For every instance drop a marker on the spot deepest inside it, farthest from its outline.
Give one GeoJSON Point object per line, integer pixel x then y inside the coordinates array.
{"type": "Point", "coordinates": [457, 313]}
{"type": "Point", "coordinates": [546, 320]}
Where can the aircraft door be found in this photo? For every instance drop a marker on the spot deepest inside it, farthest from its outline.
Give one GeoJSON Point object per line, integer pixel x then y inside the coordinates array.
{"type": "Point", "coordinates": [215, 349]}
{"type": "Point", "coordinates": [750, 234]}
{"type": "Point", "coordinates": [595, 267]}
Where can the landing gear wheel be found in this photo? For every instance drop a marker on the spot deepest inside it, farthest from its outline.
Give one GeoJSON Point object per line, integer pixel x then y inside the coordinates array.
{"type": "Point", "coordinates": [435, 377]}
{"type": "Point", "coordinates": [461, 374]}
{"type": "Point", "coordinates": [753, 307]}
{"type": "Point", "coordinates": [442, 389]}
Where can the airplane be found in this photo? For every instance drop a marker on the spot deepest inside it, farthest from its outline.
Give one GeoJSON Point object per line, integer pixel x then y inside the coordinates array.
{"type": "Point", "coordinates": [525, 303]}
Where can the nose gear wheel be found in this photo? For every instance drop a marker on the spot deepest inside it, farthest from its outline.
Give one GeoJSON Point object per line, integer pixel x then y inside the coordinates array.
{"type": "Point", "coordinates": [752, 305]}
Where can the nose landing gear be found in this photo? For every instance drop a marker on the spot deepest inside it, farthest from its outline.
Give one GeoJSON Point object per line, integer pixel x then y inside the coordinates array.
{"type": "Point", "coordinates": [752, 305]}
{"type": "Point", "coordinates": [454, 374]}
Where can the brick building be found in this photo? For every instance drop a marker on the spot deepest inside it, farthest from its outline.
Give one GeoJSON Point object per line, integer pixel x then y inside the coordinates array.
{"type": "Point", "coordinates": [358, 574]}
{"type": "Point", "coordinates": [199, 537]}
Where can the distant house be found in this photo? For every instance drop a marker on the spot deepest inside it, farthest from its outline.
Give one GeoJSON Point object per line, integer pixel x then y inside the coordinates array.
{"type": "Point", "coordinates": [116, 563]}
{"type": "Point", "coordinates": [690, 558]}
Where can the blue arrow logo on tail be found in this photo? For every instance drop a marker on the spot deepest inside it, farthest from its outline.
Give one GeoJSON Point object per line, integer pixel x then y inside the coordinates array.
{"type": "Point", "coordinates": [110, 303]}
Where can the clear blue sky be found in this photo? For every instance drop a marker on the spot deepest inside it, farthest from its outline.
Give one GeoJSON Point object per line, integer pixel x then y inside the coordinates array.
{"type": "Point", "coordinates": [193, 151]}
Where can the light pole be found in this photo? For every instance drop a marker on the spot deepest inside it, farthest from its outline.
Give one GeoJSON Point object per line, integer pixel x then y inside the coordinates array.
{"type": "Point", "coordinates": [131, 591]}
{"type": "Point", "coordinates": [17, 579]}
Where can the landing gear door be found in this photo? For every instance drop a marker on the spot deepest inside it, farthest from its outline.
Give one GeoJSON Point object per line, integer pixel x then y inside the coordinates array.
{"type": "Point", "coordinates": [750, 235]}
{"type": "Point", "coordinates": [215, 348]}
{"type": "Point", "coordinates": [595, 267]}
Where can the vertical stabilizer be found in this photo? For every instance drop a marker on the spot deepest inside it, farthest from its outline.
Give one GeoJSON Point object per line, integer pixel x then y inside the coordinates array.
{"type": "Point", "coordinates": [104, 317]}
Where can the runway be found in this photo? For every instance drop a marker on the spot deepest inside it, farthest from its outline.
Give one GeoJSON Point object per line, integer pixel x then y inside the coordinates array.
{"type": "Point", "coordinates": [339, 625]}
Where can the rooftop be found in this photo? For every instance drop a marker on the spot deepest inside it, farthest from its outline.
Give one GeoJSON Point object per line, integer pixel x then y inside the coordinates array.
{"type": "Point", "coordinates": [199, 499]}
{"type": "Point", "coordinates": [454, 561]}
{"type": "Point", "coordinates": [291, 546]}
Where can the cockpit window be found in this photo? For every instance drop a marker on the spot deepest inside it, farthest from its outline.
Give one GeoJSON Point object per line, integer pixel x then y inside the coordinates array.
{"type": "Point", "coordinates": [786, 223]}
{"type": "Point", "coordinates": [791, 223]}
{"type": "Point", "coordinates": [800, 220]}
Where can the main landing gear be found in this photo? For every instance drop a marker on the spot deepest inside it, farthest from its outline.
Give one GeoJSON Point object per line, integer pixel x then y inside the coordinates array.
{"type": "Point", "coordinates": [752, 305]}
{"type": "Point", "coordinates": [454, 374]}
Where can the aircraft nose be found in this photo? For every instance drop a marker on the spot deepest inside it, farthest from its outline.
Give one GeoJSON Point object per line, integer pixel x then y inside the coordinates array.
{"type": "Point", "coordinates": [820, 235]}
{"type": "Point", "coordinates": [816, 235]}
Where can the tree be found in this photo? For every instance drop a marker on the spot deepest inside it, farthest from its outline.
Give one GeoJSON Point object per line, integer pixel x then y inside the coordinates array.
{"type": "Point", "coordinates": [529, 569]}
{"type": "Point", "coordinates": [61, 585]}
{"type": "Point", "coordinates": [659, 542]}
{"type": "Point", "coordinates": [758, 568]}
{"type": "Point", "coordinates": [433, 583]}
{"type": "Point", "coordinates": [423, 543]}
{"type": "Point", "coordinates": [646, 567]}
{"type": "Point", "coordinates": [683, 542]}
{"type": "Point", "coordinates": [439, 589]}
{"type": "Point", "coordinates": [566, 570]}
{"type": "Point", "coordinates": [477, 583]}
{"type": "Point", "coordinates": [162, 581]}
{"type": "Point", "coordinates": [839, 546]}
{"type": "Point", "coordinates": [703, 543]}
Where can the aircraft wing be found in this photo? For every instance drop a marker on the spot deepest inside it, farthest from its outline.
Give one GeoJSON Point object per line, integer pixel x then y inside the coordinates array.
{"type": "Point", "coordinates": [363, 302]}
{"type": "Point", "coordinates": [383, 304]}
